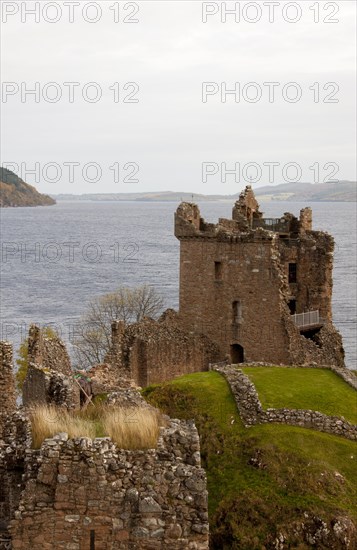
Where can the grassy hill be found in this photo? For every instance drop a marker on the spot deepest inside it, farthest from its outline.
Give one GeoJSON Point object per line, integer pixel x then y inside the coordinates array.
{"type": "Point", "coordinates": [316, 389]}
{"type": "Point", "coordinates": [15, 192]}
{"type": "Point", "coordinates": [270, 486]}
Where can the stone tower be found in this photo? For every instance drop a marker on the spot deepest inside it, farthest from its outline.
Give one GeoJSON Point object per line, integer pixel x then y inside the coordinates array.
{"type": "Point", "coordinates": [258, 287]}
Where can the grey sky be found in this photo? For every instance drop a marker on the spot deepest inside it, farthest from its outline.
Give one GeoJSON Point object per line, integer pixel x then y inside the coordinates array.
{"type": "Point", "coordinates": [170, 132]}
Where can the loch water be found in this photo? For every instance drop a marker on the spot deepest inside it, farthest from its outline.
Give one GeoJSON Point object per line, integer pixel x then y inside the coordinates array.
{"type": "Point", "coordinates": [55, 259]}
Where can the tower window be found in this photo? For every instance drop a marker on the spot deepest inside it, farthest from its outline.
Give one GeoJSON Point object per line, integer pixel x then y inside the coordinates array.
{"type": "Point", "coordinates": [218, 271]}
{"type": "Point", "coordinates": [292, 273]}
{"type": "Point", "coordinates": [236, 312]}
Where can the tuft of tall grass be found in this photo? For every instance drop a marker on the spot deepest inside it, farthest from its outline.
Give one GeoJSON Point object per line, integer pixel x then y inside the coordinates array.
{"type": "Point", "coordinates": [132, 428]}
{"type": "Point", "coordinates": [47, 420]}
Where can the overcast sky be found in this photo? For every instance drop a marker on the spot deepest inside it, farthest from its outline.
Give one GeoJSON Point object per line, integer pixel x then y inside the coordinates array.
{"type": "Point", "coordinates": [164, 137]}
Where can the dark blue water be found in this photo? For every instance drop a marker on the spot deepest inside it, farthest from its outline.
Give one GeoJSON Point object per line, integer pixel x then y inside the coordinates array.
{"type": "Point", "coordinates": [55, 259]}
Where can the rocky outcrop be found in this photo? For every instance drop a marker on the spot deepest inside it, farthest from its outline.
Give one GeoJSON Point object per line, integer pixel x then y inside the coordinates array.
{"type": "Point", "coordinates": [15, 192]}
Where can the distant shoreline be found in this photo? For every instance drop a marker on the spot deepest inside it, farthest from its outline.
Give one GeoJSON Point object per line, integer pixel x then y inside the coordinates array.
{"type": "Point", "coordinates": [343, 191]}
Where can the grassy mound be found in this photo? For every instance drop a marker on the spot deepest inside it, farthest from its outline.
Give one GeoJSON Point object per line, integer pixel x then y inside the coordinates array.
{"type": "Point", "coordinates": [267, 481]}
{"type": "Point", "coordinates": [317, 389]}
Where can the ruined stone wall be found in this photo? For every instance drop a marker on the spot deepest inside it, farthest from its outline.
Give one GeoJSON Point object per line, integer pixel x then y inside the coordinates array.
{"type": "Point", "coordinates": [14, 438]}
{"type": "Point", "coordinates": [249, 274]}
{"type": "Point", "coordinates": [49, 378]}
{"type": "Point", "coordinates": [48, 353]}
{"type": "Point", "coordinates": [246, 208]}
{"type": "Point", "coordinates": [44, 386]}
{"type": "Point", "coordinates": [325, 349]}
{"type": "Point", "coordinates": [107, 378]}
{"type": "Point", "coordinates": [14, 441]}
{"type": "Point", "coordinates": [305, 220]}
{"type": "Point", "coordinates": [155, 351]}
{"type": "Point", "coordinates": [313, 255]}
{"type": "Point", "coordinates": [251, 410]}
{"type": "Point", "coordinates": [83, 494]}
{"type": "Point", "coordinates": [114, 355]}
{"type": "Point", "coordinates": [7, 383]}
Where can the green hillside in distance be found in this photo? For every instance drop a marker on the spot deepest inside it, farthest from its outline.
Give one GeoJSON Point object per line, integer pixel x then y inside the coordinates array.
{"type": "Point", "coordinates": [15, 192]}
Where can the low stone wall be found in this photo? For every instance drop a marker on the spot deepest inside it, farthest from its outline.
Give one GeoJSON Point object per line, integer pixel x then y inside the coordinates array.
{"type": "Point", "coordinates": [85, 493]}
{"type": "Point", "coordinates": [251, 410]}
{"type": "Point", "coordinates": [343, 372]}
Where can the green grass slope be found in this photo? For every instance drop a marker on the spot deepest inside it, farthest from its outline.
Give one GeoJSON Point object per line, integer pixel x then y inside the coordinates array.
{"type": "Point", "coordinates": [316, 389]}
{"type": "Point", "coordinates": [268, 481]}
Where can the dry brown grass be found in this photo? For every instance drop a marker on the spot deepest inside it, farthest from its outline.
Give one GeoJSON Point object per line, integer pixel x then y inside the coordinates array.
{"type": "Point", "coordinates": [46, 421]}
{"type": "Point", "coordinates": [132, 428]}
{"type": "Point", "coordinates": [129, 428]}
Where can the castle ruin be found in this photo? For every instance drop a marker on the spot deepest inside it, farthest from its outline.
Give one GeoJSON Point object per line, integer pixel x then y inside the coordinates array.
{"type": "Point", "coordinates": [260, 288]}
{"type": "Point", "coordinates": [252, 289]}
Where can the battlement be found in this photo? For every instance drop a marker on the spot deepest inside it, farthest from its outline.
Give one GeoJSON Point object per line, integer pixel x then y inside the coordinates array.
{"type": "Point", "coordinates": [246, 220]}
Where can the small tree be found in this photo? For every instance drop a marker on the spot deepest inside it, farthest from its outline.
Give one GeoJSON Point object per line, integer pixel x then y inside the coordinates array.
{"type": "Point", "coordinates": [23, 362]}
{"type": "Point", "coordinates": [93, 338]}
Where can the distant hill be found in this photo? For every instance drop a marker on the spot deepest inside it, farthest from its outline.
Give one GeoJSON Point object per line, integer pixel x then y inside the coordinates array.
{"type": "Point", "coordinates": [15, 192]}
{"type": "Point", "coordinates": [342, 191]}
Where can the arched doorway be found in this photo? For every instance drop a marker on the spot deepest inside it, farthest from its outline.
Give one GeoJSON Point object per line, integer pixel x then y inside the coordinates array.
{"type": "Point", "coordinates": [237, 353]}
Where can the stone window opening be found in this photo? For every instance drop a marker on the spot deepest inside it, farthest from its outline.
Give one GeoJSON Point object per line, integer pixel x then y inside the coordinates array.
{"type": "Point", "coordinates": [218, 271]}
{"type": "Point", "coordinates": [92, 539]}
{"type": "Point", "coordinates": [292, 306]}
{"type": "Point", "coordinates": [292, 273]}
{"type": "Point", "coordinates": [236, 312]}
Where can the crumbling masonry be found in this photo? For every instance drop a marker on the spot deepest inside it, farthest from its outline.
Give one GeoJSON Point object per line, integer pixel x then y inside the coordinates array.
{"type": "Point", "coordinates": [77, 494]}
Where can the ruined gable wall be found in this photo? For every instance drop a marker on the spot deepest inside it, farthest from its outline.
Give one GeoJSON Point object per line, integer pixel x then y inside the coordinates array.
{"type": "Point", "coordinates": [246, 208]}
{"type": "Point", "coordinates": [48, 353]}
{"type": "Point", "coordinates": [82, 490]}
{"type": "Point", "coordinates": [49, 377]}
{"type": "Point", "coordinates": [251, 274]}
